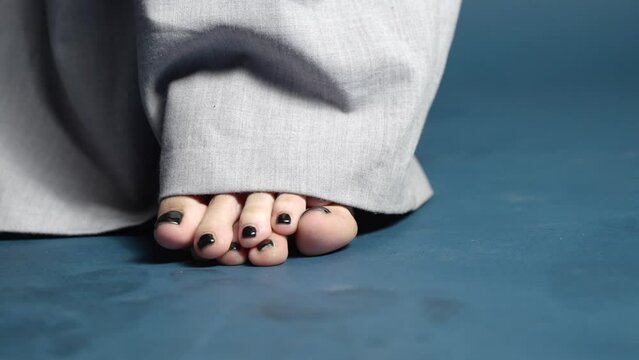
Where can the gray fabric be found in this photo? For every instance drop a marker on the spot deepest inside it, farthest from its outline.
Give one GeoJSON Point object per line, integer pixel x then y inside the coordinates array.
{"type": "Point", "coordinates": [311, 97]}
{"type": "Point", "coordinates": [76, 155]}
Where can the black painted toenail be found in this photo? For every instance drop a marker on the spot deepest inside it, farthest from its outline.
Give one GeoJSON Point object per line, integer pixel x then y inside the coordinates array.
{"type": "Point", "coordinates": [170, 217]}
{"type": "Point", "coordinates": [249, 232]}
{"type": "Point", "coordinates": [284, 218]}
{"type": "Point", "coordinates": [264, 244]}
{"type": "Point", "coordinates": [234, 247]}
{"type": "Point", "coordinates": [205, 240]}
{"type": "Point", "coordinates": [319, 208]}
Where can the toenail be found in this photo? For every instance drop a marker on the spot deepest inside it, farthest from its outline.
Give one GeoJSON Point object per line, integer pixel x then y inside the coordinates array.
{"type": "Point", "coordinates": [249, 232]}
{"type": "Point", "coordinates": [319, 208]}
{"type": "Point", "coordinates": [170, 217]}
{"type": "Point", "coordinates": [264, 244]}
{"type": "Point", "coordinates": [284, 218]}
{"type": "Point", "coordinates": [234, 247]}
{"type": "Point", "coordinates": [205, 240]}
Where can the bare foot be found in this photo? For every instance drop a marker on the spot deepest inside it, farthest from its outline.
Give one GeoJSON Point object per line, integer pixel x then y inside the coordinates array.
{"type": "Point", "coordinates": [234, 228]}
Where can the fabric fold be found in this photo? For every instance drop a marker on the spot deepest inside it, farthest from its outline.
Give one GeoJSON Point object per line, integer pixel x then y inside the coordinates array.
{"type": "Point", "coordinates": [319, 98]}
{"type": "Point", "coordinates": [311, 98]}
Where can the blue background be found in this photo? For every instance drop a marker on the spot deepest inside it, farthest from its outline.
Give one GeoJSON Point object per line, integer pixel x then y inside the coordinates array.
{"type": "Point", "coordinates": [528, 249]}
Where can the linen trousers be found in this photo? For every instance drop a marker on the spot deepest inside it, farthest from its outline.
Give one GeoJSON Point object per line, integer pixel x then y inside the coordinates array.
{"type": "Point", "coordinates": [108, 106]}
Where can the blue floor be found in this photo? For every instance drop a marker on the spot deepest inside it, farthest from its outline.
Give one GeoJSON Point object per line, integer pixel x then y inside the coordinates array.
{"type": "Point", "coordinates": [529, 249]}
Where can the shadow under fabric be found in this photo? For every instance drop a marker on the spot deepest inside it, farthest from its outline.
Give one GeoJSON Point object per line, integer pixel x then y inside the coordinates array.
{"type": "Point", "coordinates": [308, 97]}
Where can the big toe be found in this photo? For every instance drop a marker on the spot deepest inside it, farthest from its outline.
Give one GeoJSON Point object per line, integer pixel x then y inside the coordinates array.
{"type": "Point", "coordinates": [178, 218]}
{"type": "Point", "coordinates": [323, 229]}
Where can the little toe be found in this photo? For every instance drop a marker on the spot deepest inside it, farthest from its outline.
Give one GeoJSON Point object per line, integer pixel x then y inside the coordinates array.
{"type": "Point", "coordinates": [255, 219]}
{"type": "Point", "coordinates": [214, 234]}
{"type": "Point", "coordinates": [323, 229]}
{"type": "Point", "coordinates": [269, 252]}
{"type": "Point", "coordinates": [286, 213]}
{"type": "Point", "coordinates": [178, 217]}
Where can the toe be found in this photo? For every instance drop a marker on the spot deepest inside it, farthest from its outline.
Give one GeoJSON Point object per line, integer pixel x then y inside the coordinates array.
{"type": "Point", "coordinates": [286, 212]}
{"type": "Point", "coordinates": [323, 229]}
{"type": "Point", "coordinates": [214, 234]}
{"type": "Point", "coordinates": [178, 217]}
{"type": "Point", "coordinates": [255, 219]}
{"type": "Point", "coordinates": [236, 255]}
{"type": "Point", "coordinates": [270, 251]}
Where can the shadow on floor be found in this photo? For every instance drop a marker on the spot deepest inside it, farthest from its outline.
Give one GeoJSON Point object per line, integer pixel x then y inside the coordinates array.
{"type": "Point", "coordinates": [151, 253]}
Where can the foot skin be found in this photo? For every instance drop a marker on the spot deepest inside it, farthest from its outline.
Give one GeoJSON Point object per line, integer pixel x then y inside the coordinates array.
{"type": "Point", "coordinates": [234, 229]}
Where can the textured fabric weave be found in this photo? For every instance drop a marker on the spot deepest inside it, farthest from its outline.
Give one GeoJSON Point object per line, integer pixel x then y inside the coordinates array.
{"type": "Point", "coordinates": [310, 97]}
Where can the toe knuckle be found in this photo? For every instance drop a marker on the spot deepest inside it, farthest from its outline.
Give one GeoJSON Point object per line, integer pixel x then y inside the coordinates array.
{"type": "Point", "coordinates": [253, 212]}
{"type": "Point", "coordinates": [288, 200]}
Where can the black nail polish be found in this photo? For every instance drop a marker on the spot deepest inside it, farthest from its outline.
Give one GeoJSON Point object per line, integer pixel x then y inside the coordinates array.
{"type": "Point", "coordinates": [205, 240]}
{"type": "Point", "coordinates": [318, 208]}
{"type": "Point", "coordinates": [264, 244]}
{"type": "Point", "coordinates": [284, 218]}
{"type": "Point", "coordinates": [249, 232]}
{"type": "Point", "coordinates": [234, 247]}
{"type": "Point", "coordinates": [170, 217]}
